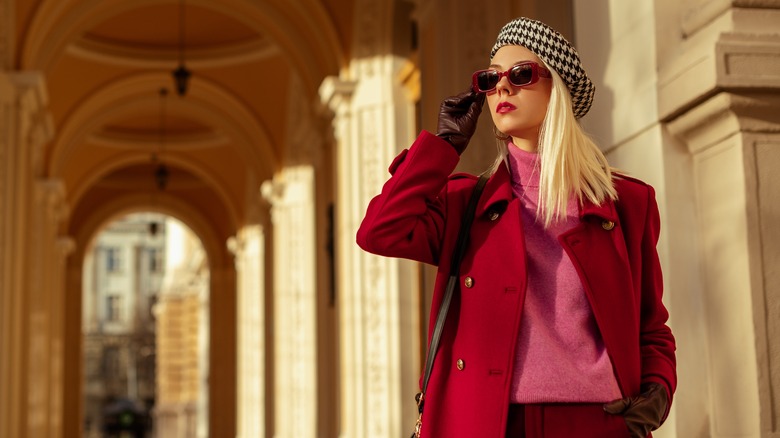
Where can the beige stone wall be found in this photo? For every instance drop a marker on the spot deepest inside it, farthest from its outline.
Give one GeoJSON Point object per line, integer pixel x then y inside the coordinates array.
{"type": "Point", "coordinates": [688, 101]}
{"type": "Point", "coordinates": [178, 378]}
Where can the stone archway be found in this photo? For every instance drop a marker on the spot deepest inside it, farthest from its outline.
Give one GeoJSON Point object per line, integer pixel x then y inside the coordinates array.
{"type": "Point", "coordinates": [222, 314]}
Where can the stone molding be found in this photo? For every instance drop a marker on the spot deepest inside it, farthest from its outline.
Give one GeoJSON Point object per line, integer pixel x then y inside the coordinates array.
{"type": "Point", "coordinates": [37, 126]}
{"type": "Point", "coordinates": [336, 93]}
{"type": "Point", "coordinates": [66, 245]}
{"type": "Point", "coordinates": [701, 13]}
{"type": "Point", "coordinates": [748, 61]}
{"type": "Point", "coordinates": [739, 50]}
{"type": "Point", "coordinates": [727, 114]}
{"type": "Point", "coordinates": [51, 194]}
{"type": "Point", "coordinates": [291, 195]}
{"type": "Point", "coordinates": [198, 58]}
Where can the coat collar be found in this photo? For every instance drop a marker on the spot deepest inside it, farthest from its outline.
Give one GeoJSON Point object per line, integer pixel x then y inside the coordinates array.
{"type": "Point", "coordinates": [498, 194]}
{"type": "Point", "coordinates": [498, 191]}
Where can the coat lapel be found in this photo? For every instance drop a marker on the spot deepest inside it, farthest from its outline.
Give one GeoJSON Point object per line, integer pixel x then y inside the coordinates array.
{"type": "Point", "coordinates": [498, 190]}
{"type": "Point", "coordinates": [598, 251]}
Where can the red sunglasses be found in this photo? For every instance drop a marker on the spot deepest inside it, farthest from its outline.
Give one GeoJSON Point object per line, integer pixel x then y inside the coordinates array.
{"type": "Point", "coordinates": [520, 75]}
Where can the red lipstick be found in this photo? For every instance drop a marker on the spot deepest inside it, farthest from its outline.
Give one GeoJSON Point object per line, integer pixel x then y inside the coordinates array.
{"type": "Point", "coordinates": [505, 107]}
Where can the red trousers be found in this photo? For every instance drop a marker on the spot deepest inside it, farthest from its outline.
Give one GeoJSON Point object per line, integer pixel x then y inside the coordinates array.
{"type": "Point", "coordinates": [564, 420]}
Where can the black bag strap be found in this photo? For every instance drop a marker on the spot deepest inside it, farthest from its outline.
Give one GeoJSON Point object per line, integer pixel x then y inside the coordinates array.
{"type": "Point", "coordinates": [460, 249]}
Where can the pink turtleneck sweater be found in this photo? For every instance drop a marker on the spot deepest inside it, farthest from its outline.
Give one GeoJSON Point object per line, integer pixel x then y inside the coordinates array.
{"type": "Point", "coordinates": [560, 352]}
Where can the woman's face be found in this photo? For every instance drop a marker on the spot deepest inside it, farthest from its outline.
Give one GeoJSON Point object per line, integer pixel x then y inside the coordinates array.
{"type": "Point", "coordinates": [518, 111]}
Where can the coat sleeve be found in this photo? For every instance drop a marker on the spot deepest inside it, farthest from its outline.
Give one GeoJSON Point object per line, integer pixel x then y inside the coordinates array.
{"type": "Point", "coordinates": [657, 344]}
{"type": "Point", "coordinates": [407, 218]}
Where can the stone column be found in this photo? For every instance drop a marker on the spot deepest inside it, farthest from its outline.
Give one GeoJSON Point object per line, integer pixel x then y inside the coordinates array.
{"type": "Point", "coordinates": [379, 298]}
{"type": "Point", "coordinates": [25, 126]}
{"type": "Point", "coordinates": [719, 94]}
{"type": "Point", "coordinates": [10, 301]}
{"type": "Point", "coordinates": [294, 296]}
{"type": "Point", "coordinates": [65, 245]}
{"type": "Point", "coordinates": [735, 145]}
{"type": "Point", "coordinates": [368, 285]}
{"type": "Point", "coordinates": [249, 250]}
{"type": "Point", "coordinates": [44, 295]}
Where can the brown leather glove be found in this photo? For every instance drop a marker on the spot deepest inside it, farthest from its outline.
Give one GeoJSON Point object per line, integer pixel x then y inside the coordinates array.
{"type": "Point", "coordinates": [642, 413]}
{"type": "Point", "coordinates": [458, 117]}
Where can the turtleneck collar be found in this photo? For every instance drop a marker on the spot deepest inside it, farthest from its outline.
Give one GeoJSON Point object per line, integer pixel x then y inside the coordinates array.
{"type": "Point", "coordinates": [524, 167]}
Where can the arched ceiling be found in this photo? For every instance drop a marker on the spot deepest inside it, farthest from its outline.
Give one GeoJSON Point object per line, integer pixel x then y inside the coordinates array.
{"type": "Point", "coordinates": [105, 63]}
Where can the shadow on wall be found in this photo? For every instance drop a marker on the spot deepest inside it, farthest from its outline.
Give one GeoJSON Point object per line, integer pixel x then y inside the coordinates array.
{"type": "Point", "coordinates": [591, 36]}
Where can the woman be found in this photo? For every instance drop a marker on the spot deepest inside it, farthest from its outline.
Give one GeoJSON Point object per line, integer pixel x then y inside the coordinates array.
{"type": "Point", "coordinates": [558, 329]}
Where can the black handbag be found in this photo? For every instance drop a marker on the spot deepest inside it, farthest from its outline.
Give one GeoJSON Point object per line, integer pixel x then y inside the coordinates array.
{"type": "Point", "coordinates": [452, 283]}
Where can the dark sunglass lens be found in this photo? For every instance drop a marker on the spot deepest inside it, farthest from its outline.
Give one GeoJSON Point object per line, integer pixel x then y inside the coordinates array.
{"type": "Point", "coordinates": [521, 74]}
{"type": "Point", "coordinates": [487, 80]}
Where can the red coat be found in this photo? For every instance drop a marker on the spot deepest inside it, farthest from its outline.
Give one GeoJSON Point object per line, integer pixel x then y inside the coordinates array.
{"type": "Point", "coordinates": [417, 217]}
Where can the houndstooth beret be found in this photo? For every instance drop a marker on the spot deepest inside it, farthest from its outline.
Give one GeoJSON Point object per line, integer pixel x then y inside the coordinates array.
{"type": "Point", "coordinates": [552, 48]}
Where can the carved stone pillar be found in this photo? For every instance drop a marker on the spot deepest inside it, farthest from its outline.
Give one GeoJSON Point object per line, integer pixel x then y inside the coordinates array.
{"type": "Point", "coordinates": [28, 222]}
{"type": "Point", "coordinates": [735, 143]}
{"type": "Point", "coordinates": [249, 250]}
{"type": "Point", "coordinates": [295, 360]}
{"type": "Point", "coordinates": [45, 309]}
{"type": "Point", "coordinates": [65, 245]}
{"type": "Point", "coordinates": [10, 304]}
{"type": "Point", "coordinates": [369, 289]}
{"type": "Point", "coordinates": [379, 298]}
{"type": "Point", "coordinates": [719, 92]}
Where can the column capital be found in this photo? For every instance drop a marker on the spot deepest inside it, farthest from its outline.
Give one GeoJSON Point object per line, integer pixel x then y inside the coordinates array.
{"type": "Point", "coordinates": [51, 193]}
{"type": "Point", "coordinates": [272, 191]}
{"type": "Point", "coordinates": [726, 114]}
{"type": "Point", "coordinates": [66, 245]}
{"type": "Point", "coordinates": [335, 93]}
{"type": "Point", "coordinates": [37, 125]}
{"type": "Point", "coordinates": [235, 244]}
{"type": "Point", "coordinates": [736, 52]}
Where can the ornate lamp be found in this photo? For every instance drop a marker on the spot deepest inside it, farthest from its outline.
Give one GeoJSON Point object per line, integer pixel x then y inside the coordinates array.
{"type": "Point", "coordinates": [181, 75]}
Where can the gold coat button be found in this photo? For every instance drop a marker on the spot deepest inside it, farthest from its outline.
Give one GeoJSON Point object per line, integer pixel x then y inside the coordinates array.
{"type": "Point", "coordinates": [468, 282]}
{"type": "Point", "coordinates": [460, 364]}
{"type": "Point", "coordinates": [607, 225]}
{"type": "Point", "coordinates": [493, 215]}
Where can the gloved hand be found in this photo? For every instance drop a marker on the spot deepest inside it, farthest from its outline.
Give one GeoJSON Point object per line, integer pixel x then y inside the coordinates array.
{"type": "Point", "coordinates": [642, 413]}
{"type": "Point", "coordinates": [458, 117]}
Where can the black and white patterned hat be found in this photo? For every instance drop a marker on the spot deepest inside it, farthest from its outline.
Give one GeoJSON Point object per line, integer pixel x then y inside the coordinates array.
{"type": "Point", "coordinates": [552, 48]}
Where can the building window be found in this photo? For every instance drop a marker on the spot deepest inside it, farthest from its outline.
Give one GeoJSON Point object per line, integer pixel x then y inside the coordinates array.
{"type": "Point", "coordinates": [113, 259]}
{"type": "Point", "coordinates": [114, 307]}
{"type": "Point", "coordinates": [155, 259]}
{"type": "Point", "coordinates": [111, 362]}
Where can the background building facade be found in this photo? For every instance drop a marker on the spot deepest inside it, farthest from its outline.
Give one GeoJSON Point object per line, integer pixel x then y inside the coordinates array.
{"type": "Point", "coordinates": [290, 117]}
{"type": "Point", "coordinates": [123, 276]}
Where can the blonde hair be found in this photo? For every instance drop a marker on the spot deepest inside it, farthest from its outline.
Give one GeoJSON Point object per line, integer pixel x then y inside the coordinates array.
{"type": "Point", "coordinates": [570, 163]}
